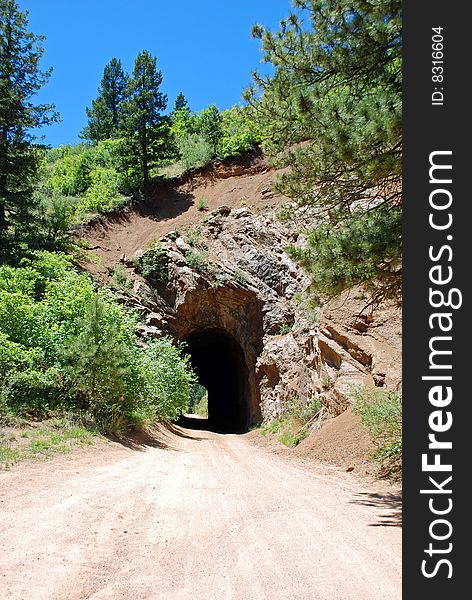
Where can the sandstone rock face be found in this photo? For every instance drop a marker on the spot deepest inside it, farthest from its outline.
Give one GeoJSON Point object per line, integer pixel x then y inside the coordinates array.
{"type": "Point", "coordinates": [231, 274]}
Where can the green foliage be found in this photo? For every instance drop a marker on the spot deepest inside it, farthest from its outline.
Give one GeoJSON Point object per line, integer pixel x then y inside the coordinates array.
{"type": "Point", "coordinates": [145, 130]}
{"type": "Point", "coordinates": [197, 393]}
{"type": "Point", "coordinates": [120, 278]}
{"type": "Point", "coordinates": [331, 112]}
{"type": "Point", "coordinates": [180, 103]}
{"type": "Point", "coordinates": [285, 328]}
{"type": "Point", "coordinates": [381, 413]}
{"type": "Point", "coordinates": [20, 79]}
{"type": "Point", "coordinates": [65, 345]}
{"type": "Point", "coordinates": [153, 264]}
{"type": "Point", "coordinates": [95, 360]}
{"type": "Point", "coordinates": [201, 204]}
{"type": "Point", "coordinates": [240, 131]}
{"type": "Point", "coordinates": [211, 128]}
{"type": "Point", "coordinates": [194, 237]}
{"type": "Point", "coordinates": [241, 278]}
{"type": "Point", "coordinates": [168, 379]}
{"type": "Point", "coordinates": [55, 218]}
{"type": "Point", "coordinates": [293, 424]}
{"type": "Point", "coordinates": [197, 260]}
{"type": "Point", "coordinates": [195, 151]}
{"type": "Point", "coordinates": [213, 134]}
{"type": "Point", "coordinates": [104, 117]}
{"type": "Point", "coordinates": [183, 123]}
{"type": "Point", "coordinates": [79, 181]}
{"type": "Point", "coordinates": [338, 257]}
{"type": "Point", "coordinates": [201, 408]}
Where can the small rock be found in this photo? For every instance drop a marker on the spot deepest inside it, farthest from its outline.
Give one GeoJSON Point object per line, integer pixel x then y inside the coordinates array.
{"type": "Point", "coordinates": [182, 245]}
{"type": "Point", "coordinates": [242, 212]}
{"type": "Point", "coordinates": [223, 210]}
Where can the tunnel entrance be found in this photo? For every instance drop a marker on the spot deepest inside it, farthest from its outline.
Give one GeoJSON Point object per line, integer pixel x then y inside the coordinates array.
{"type": "Point", "coordinates": [219, 362]}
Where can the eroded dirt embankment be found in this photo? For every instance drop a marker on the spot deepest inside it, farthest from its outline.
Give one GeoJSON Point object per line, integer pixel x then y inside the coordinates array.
{"type": "Point", "coordinates": [174, 206]}
{"type": "Point", "coordinates": [196, 516]}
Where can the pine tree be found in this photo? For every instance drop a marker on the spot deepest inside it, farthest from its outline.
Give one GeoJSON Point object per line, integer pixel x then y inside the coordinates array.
{"type": "Point", "coordinates": [145, 129]}
{"type": "Point", "coordinates": [211, 128]}
{"type": "Point", "coordinates": [180, 103]}
{"type": "Point", "coordinates": [96, 360]}
{"type": "Point", "coordinates": [331, 112]}
{"type": "Point", "coordinates": [104, 117]}
{"type": "Point", "coordinates": [20, 79]}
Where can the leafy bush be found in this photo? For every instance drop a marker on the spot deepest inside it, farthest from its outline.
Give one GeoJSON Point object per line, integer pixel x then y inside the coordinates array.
{"type": "Point", "coordinates": [55, 217]}
{"type": "Point", "coordinates": [66, 345]}
{"type": "Point", "coordinates": [195, 151]}
{"type": "Point", "coordinates": [293, 424]}
{"type": "Point", "coordinates": [92, 177]}
{"type": "Point", "coordinates": [120, 278]}
{"type": "Point", "coordinates": [197, 260]}
{"type": "Point", "coordinates": [153, 264]}
{"type": "Point", "coordinates": [241, 132]}
{"type": "Point", "coordinates": [381, 413]}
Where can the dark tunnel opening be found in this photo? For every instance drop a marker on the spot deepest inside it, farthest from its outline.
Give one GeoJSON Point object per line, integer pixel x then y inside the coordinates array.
{"type": "Point", "coordinates": [219, 362]}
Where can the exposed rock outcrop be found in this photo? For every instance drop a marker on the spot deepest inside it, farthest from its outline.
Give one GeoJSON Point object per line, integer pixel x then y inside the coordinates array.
{"type": "Point", "coordinates": [231, 273]}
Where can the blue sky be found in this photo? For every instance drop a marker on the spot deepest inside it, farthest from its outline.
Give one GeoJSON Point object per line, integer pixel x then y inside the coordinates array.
{"type": "Point", "coordinates": [203, 47]}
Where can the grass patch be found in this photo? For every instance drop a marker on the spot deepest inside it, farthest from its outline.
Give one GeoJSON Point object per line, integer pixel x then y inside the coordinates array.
{"type": "Point", "coordinates": [201, 204]}
{"type": "Point", "coordinates": [194, 237]}
{"type": "Point", "coordinates": [381, 413]}
{"type": "Point", "coordinates": [296, 421]}
{"type": "Point", "coordinates": [197, 260]}
{"type": "Point", "coordinates": [56, 436]}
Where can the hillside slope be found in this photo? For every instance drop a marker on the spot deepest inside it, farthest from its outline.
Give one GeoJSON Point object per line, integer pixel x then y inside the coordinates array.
{"type": "Point", "coordinates": [246, 287]}
{"type": "Point", "coordinates": [172, 205]}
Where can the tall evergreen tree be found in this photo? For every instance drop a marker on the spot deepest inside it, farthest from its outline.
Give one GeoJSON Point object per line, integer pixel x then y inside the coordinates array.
{"type": "Point", "coordinates": [211, 127]}
{"type": "Point", "coordinates": [332, 113]}
{"type": "Point", "coordinates": [20, 79]}
{"type": "Point", "coordinates": [145, 128]}
{"type": "Point", "coordinates": [104, 117]}
{"type": "Point", "coordinates": [181, 103]}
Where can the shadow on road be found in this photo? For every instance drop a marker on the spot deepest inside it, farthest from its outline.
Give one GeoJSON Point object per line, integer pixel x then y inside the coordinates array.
{"type": "Point", "coordinates": [390, 502]}
{"type": "Point", "coordinates": [160, 436]}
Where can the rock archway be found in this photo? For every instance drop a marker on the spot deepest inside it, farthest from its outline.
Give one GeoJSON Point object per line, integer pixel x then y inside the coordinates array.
{"type": "Point", "coordinates": [223, 330]}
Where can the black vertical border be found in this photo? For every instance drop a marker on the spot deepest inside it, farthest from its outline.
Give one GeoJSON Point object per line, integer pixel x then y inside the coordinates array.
{"type": "Point", "coordinates": [430, 128]}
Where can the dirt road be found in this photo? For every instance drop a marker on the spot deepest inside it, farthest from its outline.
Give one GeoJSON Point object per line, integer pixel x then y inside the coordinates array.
{"type": "Point", "coordinates": [205, 516]}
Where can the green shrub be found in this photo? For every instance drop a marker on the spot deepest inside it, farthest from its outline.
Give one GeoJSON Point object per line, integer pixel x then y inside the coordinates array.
{"type": "Point", "coordinates": [121, 279]}
{"type": "Point", "coordinates": [91, 177]}
{"type": "Point", "coordinates": [194, 237]}
{"type": "Point", "coordinates": [241, 278]}
{"type": "Point", "coordinates": [293, 424]}
{"type": "Point", "coordinates": [201, 204]}
{"type": "Point", "coordinates": [195, 151]}
{"type": "Point", "coordinates": [381, 412]}
{"type": "Point", "coordinates": [285, 328]}
{"type": "Point", "coordinates": [66, 345]}
{"type": "Point", "coordinates": [154, 263]}
{"type": "Point", "coordinates": [197, 260]}
{"type": "Point", "coordinates": [241, 133]}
